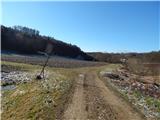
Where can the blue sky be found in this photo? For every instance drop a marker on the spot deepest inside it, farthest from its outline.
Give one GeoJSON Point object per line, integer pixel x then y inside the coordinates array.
{"type": "Point", "coordinates": [93, 26]}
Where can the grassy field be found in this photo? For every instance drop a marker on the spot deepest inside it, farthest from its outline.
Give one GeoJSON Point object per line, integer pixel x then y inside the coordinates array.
{"type": "Point", "coordinates": [47, 99]}
{"type": "Point", "coordinates": [54, 61]}
{"type": "Point", "coordinates": [36, 99]}
{"type": "Point", "coordinates": [40, 99]}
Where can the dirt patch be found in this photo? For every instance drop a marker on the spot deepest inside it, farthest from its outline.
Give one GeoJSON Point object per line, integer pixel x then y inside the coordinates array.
{"type": "Point", "coordinates": [95, 101]}
{"type": "Point", "coordinates": [76, 110]}
{"type": "Point", "coordinates": [97, 108]}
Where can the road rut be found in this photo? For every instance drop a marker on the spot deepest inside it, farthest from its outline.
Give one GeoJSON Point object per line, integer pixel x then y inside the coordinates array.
{"type": "Point", "coordinates": [94, 101]}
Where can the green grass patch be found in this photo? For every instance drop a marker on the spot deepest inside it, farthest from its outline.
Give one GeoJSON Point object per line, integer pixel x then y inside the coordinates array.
{"type": "Point", "coordinates": [153, 103]}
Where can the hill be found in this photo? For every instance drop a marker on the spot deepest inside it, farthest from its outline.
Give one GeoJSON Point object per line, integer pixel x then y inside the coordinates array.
{"type": "Point", "coordinates": [151, 57]}
{"type": "Point", "coordinates": [28, 41]}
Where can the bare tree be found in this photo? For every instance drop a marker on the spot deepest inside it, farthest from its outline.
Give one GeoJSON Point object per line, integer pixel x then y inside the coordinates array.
{"type": "Point", "coordinates": [47, 53]}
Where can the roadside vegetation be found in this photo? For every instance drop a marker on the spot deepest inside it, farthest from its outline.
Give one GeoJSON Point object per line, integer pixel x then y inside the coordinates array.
{"type": "Point", "coordinates": [36, 99]}
{"type": "Point", "coordinates": [138, 81]}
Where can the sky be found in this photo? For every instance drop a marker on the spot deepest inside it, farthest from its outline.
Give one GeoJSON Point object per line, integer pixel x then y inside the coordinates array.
{"type": "Point", "coordinates": [93, 26]}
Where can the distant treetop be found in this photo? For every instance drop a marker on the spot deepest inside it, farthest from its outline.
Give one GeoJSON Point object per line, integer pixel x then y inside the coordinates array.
{"type": "Point", "coordinates": [26, 30]}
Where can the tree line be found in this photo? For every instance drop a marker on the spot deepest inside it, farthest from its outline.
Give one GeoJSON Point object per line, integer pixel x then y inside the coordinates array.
{"type": "Point", "coordinates": [28, 41]}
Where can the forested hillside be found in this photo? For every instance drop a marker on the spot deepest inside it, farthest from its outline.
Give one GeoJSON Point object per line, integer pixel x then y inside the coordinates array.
{"type": "Point", "coordinates": [28, 41]}
{"type": "Point", "coordinates": [151, 57]}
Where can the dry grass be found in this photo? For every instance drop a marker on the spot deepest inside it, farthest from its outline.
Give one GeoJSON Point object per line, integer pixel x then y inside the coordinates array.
{"type": "Point", "coordinates": [36, 99]}
{"type": "Point", "coordinates": [54, 61]}
{"type": "Point", "coordinates": [146, 70]}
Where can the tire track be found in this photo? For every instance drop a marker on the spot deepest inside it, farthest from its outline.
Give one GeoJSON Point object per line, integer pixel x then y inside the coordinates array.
{"type": "Point", "coordinates": [92, 100]}
{"type": "Point", "coordinates": [96, 107]}
{"type": "Point", "coordinates": [76, 110]}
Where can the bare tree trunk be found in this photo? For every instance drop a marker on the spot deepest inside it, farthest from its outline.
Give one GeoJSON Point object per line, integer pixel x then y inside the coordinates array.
{"type": "Point", "coordinates": [42, 71]}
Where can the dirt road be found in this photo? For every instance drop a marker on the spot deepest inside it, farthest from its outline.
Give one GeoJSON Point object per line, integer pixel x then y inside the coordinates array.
{"type": "Point", "coordinates": [94, 101]}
